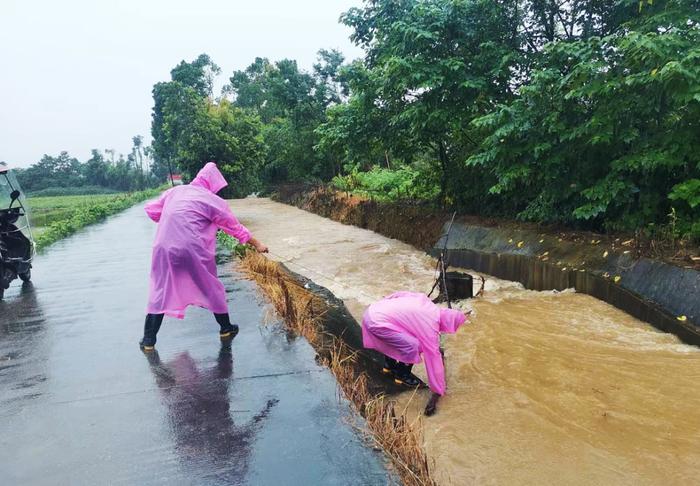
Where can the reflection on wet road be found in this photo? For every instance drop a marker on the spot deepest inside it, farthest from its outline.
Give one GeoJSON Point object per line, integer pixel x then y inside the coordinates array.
{"type": "Point", "coordinates": [80, 404]}
{"type": "Point", "coordinates": [200, 415]}
{"type": "Point", "coordinates": [20, 336]}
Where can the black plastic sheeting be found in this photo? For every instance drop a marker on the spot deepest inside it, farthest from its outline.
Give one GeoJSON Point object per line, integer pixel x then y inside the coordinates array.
{"type": "Point", "coordinates": [649, 290]}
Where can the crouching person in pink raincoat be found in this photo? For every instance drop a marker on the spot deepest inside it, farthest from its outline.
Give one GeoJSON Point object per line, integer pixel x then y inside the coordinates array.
{"type": "Point", "coordinates": [405, 325]}
{"type": "Point", "coordinates": [183, 267]}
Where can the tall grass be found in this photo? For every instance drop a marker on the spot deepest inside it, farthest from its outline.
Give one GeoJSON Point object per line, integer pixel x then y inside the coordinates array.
{"type": "Point", "coordinates": [303, 312]}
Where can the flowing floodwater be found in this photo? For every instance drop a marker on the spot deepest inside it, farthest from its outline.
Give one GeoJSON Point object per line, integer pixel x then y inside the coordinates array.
{"type": "Point", "coordinates": [543, 387]}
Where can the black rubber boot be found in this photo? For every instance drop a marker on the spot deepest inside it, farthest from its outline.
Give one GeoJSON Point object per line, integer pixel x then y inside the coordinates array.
{"type": "Point", "coordinates": [150, 330]}
{"type": "Point", "coordinates": [228, 331]}
{"type": "Point", "coordinates": [390, 365]}
{"type": "Point", "coordinates": [402, 372]}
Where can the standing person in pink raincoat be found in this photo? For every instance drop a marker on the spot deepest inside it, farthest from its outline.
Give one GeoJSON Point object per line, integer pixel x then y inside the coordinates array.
{"type": "Point", "coordinates": [183, 267]}
{"type": "Point", "coordinates": [405, 325]}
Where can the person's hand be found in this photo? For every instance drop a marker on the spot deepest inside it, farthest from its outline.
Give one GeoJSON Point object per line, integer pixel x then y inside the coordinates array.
{"type": "Point", "coordinates": [259, 247]}
{"type": "Point", "coordinates": [431, 407]}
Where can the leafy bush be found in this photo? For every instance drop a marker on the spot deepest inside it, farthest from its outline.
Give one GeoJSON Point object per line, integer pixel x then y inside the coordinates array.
{"type": "Point", "coordinates": [687, 195]}
{"type": "Point", "coordinates": [387, 184]}
{"type": "Point", "coordinates": [231, 244]}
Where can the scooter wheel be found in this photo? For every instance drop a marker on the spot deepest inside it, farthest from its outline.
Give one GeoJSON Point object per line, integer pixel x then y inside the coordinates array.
{"type": "Point", "coordinates": [26, 277]}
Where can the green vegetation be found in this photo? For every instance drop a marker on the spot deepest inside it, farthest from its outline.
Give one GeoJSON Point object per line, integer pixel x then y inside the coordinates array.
{"type": "Point", "coordinates": [72, 191]}
{"type": "Point", "coordinates": [58, 217]}
{"type": "Point", "coordinates": [579, 113]}
{"type": "Point", "coordinates": [266, 134]}
{"type": "Point", "coordinates": [63, 175]}
{"type": "Point", "coordinates": [48, 209]}
{"type": "Point", "coordinates": [39, 203]}
{"type": "Point", "coordinates": [231, 244]}
{"type": "Point", "coordinates": [403, 183]}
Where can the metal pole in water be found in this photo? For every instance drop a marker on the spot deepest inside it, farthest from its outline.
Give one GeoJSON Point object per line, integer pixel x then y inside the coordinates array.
{"type": "Point", "coordinates": [443, 264]}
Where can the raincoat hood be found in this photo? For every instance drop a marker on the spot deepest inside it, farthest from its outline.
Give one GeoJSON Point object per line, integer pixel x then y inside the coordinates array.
{"type": "Point", "coordinates": [450, 320]}
{"type": "Point", "coordinates": [210, 178]}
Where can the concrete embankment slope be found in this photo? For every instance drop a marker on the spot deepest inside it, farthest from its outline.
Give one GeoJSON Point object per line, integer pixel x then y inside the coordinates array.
{"type": "Point", "coordinates": [665, 295]}
{"type": "Point", "coordinates": [80, 404]}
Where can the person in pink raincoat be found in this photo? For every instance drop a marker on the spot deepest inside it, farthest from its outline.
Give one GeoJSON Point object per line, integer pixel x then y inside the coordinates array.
{"type": "Point", "coordinates": [183, 266]}
{"type": "Point", "coordinates": [405, 325]}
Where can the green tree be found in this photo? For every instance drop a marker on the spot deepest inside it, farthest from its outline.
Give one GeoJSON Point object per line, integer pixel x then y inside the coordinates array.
{"type": "Point", "coordinates": [433, 66]}
{"type": "Point", "coordinates": [198, 74]}
{"type": "Point", "coordinates": [175, 108]}
{"type": "Point", "coordinates": [228, 136]}
{"type": "Point", "coordinates": [190, 129]}
{"type": "Point", "coordinates": [291, 104]}
{"type": "Point", "coordinates": [59, 171]}
{"type": "Point", "coordinates": [95, 169]}
{"type": "Point", "coordinates": [583, 112]}
{"type": "Point", "coordinates": [606, 127]}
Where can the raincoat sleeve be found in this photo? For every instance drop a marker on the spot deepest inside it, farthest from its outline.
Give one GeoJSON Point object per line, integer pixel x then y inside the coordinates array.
{"type": "Point", "coordinates": [155, 208]}
{"type": "Point", "coordinates": [434, 367]}
{"type": "Point", "coordinates": [225, 220]}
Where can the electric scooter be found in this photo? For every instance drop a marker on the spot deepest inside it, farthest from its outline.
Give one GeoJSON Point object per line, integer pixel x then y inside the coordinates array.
{"type": "Point", "coordinates": [16, 240]}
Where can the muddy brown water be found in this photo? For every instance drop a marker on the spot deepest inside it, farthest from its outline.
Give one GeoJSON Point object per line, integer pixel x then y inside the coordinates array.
{"type": "Point", "coordinates": [543, 387]}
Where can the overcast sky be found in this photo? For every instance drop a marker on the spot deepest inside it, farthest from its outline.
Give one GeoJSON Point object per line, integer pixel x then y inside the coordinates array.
{"type": "Point", "coordinates": [77, 74]}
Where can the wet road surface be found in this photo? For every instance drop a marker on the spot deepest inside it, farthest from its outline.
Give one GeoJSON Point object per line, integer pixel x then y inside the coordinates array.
{"type": "Point", "coordinates": [81, 404]}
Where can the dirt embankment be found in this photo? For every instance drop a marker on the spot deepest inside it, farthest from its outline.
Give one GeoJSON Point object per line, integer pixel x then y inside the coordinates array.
{"type": "Point", "coordinates": [421, 225]}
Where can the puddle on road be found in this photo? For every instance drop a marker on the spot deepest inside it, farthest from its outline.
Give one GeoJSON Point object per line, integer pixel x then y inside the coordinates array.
{"type": "Point", "coordinates": [543, 387]}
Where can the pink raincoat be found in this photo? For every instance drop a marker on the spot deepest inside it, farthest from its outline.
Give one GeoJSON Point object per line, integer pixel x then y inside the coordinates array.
{"type": "Point", "coordinates": [183, 268]}
{"type": "Point", "coordinates": [406, 324]}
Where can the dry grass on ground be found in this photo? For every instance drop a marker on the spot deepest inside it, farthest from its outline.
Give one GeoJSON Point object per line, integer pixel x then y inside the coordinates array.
{"type": "Point", "coordinates": [303, 311]}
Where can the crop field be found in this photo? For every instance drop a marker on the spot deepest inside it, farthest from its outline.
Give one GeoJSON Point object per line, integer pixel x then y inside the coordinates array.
{"type": "Point", "coordinates": [50, 209]}
{"type": "Point", "coordinates": [56, 217]}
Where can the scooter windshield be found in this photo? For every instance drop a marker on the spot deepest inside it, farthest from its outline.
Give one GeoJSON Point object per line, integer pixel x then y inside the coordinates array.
{"type": "Point", "coordinates": [8, 184]}
{"type": "Point", "coordinates": [5, 187]}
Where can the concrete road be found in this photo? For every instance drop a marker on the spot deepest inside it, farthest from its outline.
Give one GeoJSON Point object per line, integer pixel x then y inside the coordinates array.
{"type": "Point", "coordinates": [80, 404]}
